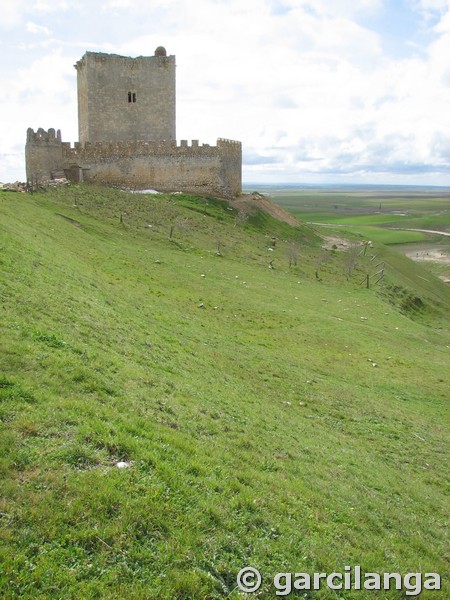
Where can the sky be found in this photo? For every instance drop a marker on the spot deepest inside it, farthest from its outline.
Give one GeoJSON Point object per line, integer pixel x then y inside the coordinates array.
{"type": "Point", "coordinates": [317, 91]}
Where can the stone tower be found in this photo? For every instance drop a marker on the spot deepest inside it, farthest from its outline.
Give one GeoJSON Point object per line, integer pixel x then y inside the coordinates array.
{"type": "Point", "coordinates": [126, 99]}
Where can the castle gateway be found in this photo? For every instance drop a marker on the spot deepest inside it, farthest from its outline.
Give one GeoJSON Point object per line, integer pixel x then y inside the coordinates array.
{"type": "Point", "coordinates": [126, 126]}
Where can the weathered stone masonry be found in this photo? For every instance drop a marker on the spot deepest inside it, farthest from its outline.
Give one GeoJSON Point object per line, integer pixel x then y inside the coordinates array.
{"type": "Point", "coordinates": [103, 157]}
{"type": "Point", "coordinates": [122, 98]}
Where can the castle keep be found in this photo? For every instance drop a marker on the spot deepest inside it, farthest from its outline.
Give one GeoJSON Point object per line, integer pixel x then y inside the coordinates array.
{"type": "Point", "coordinates": [127, 133]}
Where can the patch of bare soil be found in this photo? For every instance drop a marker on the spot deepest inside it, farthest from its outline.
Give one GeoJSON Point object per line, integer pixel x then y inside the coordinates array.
{"type": "Point", "coordinates": [250, 203]}
{"type": "Point", "coordinates": [430, 254]}
{"type": "Point", "coordinates": [336, 243]}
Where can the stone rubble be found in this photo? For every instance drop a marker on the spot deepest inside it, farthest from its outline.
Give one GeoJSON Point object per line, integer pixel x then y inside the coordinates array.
{"type": "Point", "coordinates": [17, 186]}
{"type": "Point", "coordinates": [20, 186]}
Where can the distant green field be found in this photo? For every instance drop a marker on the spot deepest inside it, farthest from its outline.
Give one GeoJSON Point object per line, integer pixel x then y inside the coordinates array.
{"type": "Point", "coordinates": [374, 219]}
{"type": "Point", "coordinates": [373, 212]}
{"type": "Point", "coordinates": [379, 234]}
{"type": "Point", "coordinates": [415, 202]}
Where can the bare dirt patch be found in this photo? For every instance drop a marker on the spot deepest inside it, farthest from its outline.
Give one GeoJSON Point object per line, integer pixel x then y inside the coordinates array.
{"type": "Point", "coordinates": [429, 254]}
{"type": "Point", "coordinates": [332, 242]}
{"type": "Point", "coordinates": [253, 202]}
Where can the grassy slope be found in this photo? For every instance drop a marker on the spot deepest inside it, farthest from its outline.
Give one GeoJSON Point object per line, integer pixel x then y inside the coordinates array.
{"type": "Point", "coordinates": [258, 431]}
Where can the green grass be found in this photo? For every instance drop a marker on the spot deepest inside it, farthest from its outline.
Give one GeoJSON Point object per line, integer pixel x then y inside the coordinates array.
{"type": "Point", "coordinates": [376, 234]}
{"type": "Point", "coordinates": [245, 400]}
{"type": "Point", "coordinates": [372, 212]}
{"type": "Point", "coordinates": [410, 200]}
{"type": "Point", "coordinates": [387, 220]}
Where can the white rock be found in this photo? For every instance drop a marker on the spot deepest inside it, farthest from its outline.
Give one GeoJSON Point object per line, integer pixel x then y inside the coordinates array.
{"type": "Point", "coordinates": [122, 465]}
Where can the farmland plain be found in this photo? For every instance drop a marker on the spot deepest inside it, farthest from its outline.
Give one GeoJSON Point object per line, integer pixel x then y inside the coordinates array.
{"type": "Point", "coordinates": [398, 215]}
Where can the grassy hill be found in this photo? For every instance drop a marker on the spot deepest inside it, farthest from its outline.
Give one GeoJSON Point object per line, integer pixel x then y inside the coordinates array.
{"type": "Point", "coordinates": [285, 418]}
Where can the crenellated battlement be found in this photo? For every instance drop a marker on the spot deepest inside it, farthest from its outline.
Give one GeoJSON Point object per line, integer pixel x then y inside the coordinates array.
{"type": "Point", "coordinates": [224, 142]}
{"type": "Point", "coordinates": [129, 148]}
{"type": "Point", "coordinates": [147, 148]}
{"type": "Point", "coordinates": [43, 137]}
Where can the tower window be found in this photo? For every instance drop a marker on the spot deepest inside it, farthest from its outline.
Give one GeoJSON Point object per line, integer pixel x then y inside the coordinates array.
{"type": "Point", "coordinates": [131, 97]}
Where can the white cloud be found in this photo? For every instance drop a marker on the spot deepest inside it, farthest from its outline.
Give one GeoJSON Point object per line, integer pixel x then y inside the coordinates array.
{"type": "Point", "coordinates": [303, 84]}
{"type": "Point", "coordinates": [344, 8]}
{"type": "Point", "coordinates": [41, 95]}
{"type": "Point", "coordinates": [430, 10]}
{"type": "Point", "coordinates": [119, 4]}
{"type": "Point", "coordinates": [33, 28]}
{"type": "Point", "coordinates": [10, 11]}
{"type": "Point", "coordinates": [45, 6]}
{"type": "Point", "coordinates": [15, 12]}
{"type": "Point", "coordinates": [432, 5]}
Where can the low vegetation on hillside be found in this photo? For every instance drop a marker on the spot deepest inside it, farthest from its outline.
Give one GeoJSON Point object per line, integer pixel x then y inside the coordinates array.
{"type": "Point", "coordinates": [188, 389]}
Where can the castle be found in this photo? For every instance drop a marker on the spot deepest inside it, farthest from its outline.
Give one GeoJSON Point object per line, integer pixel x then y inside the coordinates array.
{"type": "Point", "coordinates": [126, 126]}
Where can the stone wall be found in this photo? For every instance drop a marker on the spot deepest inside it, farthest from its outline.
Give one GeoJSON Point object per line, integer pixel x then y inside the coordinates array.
{"type": "Point", "coordinates": [43, 154]}
{"type": "Point", "coordinates": [230, 172]}
{"type": "Point", "coordinates": [164, 166]}
{"type": "Point", "coordinates": [124, 98]}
